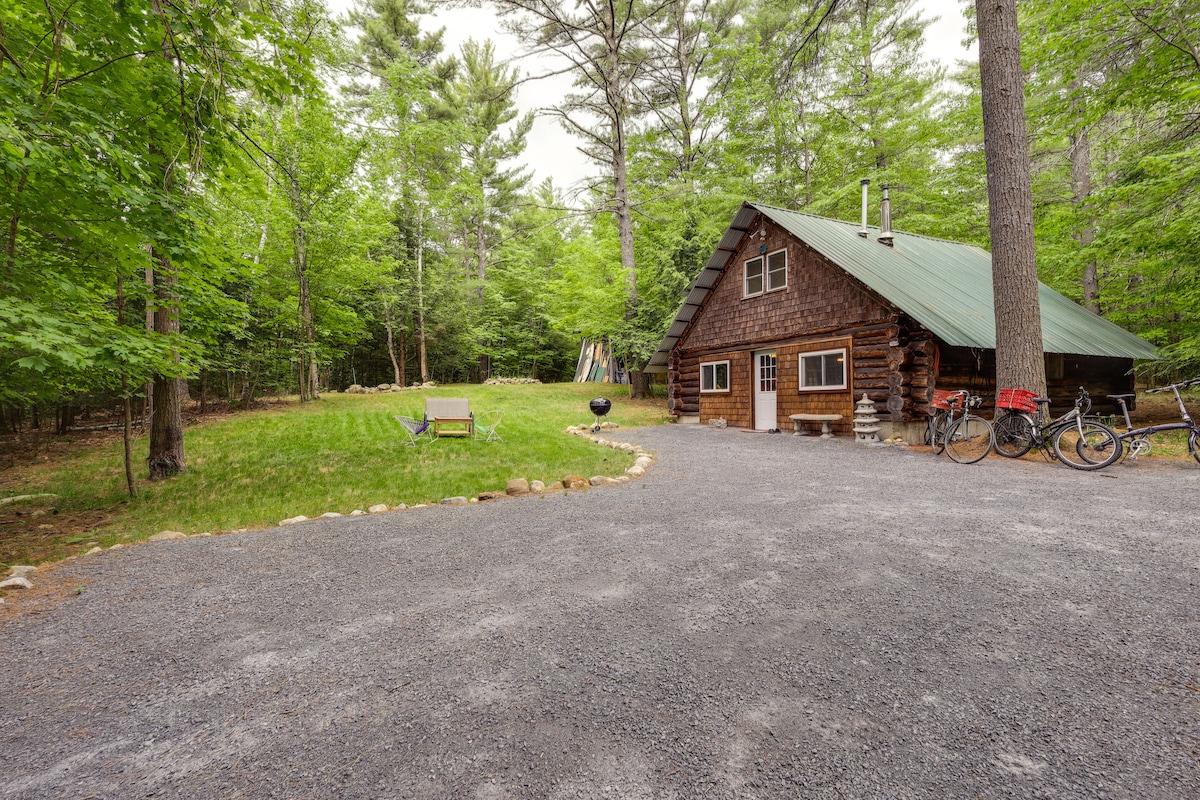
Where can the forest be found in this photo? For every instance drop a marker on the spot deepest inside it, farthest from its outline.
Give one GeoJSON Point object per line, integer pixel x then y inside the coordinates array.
{"type": "Point", "coordinates": [234, 199]}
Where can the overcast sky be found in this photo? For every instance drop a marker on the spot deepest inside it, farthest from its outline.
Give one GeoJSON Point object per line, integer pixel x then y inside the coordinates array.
{"type": "Point", "coordinates": [551, 151]}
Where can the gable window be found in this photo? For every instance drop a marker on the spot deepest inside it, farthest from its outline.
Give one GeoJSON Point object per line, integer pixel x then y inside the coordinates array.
{"type": "Point", "coordinates": [754, 277]}
{"type": "Point", "coordinates": [825, 369]}
{"type": "Point", "coordinates": [765, 273]}
{"type": "Point", "coordinates": [714, 376]}
{"type": "Point", "coordinates": [777, 270]}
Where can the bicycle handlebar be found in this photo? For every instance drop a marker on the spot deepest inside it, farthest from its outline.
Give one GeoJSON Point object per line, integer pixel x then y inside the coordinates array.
{"type": "Point", "coordinates": [1084, 401]}
{"type": "Point", "coordinates": [1182, 385]}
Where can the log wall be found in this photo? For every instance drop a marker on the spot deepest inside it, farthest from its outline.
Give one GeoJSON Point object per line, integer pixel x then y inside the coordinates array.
{"type": "Point", "coordinates": [893, 359]}
{"type": "Point", "coordinates": [731, 406]}
{"type": "Point", "coordinates": [975, 370]}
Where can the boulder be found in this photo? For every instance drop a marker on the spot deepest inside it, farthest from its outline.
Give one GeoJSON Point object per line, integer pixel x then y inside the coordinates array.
{"type": "Point", "coordinates": [16, 583]}
{"type": "Point", "coordinates": [517, 486]}
{"type": "Point", "coordinates": [485, 496]}
{"type": "Point", "coordinates": [330, 515]}
{"type": "Point", "coordinates": [166, 536]}
{"type": "Point", "coordinates": [457, 500]}
{"type": "Point", "coordinates": [557, 486]}
{"type": "Point", "coordinates": [537, 486]}
{"type": "Point", "coordinates": [635, 471]}
{"type": "Point", "coordinates": [601, 480]}
{"type": "Point", "coordinates": [94, 550]}
{"type": "Point", "coordinates": [292, 521]}
{"type": "Point", "coordinates": [20, 570]}
{"type": "Point", "coordinates": [575, 482]}
{"type": "Point", "coordinates": [378, 508]}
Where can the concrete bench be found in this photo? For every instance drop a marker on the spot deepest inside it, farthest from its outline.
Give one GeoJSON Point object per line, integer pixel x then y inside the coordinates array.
{"type": "Point", "coordinates": [826, 421]}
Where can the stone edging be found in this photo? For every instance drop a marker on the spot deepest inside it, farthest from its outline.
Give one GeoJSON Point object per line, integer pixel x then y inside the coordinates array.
{"type": "Point", "coordinates": [18, 577]}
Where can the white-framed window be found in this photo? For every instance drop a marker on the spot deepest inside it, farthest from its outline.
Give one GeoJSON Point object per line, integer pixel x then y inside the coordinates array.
{"type": "Point", "coordinates": [823, 369]}
{"type": "Point", "coordinates": [753, 285]}
{"type": "Point", "coordinates": [777, 270]}
{"type": "Point", "coordinates": [714, 376]}
{"type": "Point", "coordinates": [765, 273]}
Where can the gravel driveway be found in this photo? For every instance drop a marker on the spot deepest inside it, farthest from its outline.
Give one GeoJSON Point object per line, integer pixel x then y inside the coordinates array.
{"type": "Point", "coordinates": [760, 616]}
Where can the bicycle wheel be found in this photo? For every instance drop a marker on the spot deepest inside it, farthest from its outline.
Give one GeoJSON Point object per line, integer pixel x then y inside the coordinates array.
{"type": "Point", "coordinates": [1014, 435]}
{"type": "Point", "coordinates": [1088, 445]}
{"type": "Point", "coordinates": [938, 424]}
{"type": "Point", "coordinates": [1194, 445]}
{"type": "Point", "coordinates": [969, 439]}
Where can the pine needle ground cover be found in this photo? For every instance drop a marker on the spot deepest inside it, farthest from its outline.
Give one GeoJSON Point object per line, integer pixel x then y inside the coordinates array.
{"type": "Point", "coordinates": [339, 454]}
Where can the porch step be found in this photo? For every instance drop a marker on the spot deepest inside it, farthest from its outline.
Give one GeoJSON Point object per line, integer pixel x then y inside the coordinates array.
{"type": "Point", "coordinates": [689, 419]}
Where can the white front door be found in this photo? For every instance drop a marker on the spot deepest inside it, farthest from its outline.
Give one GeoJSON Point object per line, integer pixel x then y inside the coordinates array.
{"type": "Point", "coordinates": [764, 391]}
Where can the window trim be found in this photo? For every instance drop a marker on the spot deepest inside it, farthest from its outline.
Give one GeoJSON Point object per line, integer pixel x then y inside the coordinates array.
{"type": "Point", "coordinates": [714, 365]}
{"type": "Point", "coordinates": [844, 352]}
{"type": "Point", "coordinates": [764, 273]}
{"type": "Point", "coordinates": [767, 271]}
{"type": "Point", "coordinates": [762, 276]}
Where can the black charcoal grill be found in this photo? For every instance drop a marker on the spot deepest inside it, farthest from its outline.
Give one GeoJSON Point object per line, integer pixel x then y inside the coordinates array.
{"type": "Point", "coordinates": [600, 406]}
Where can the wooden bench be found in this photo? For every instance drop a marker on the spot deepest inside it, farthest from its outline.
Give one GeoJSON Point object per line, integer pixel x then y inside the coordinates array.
{"type": "Point", "coordinates": [826, 421]}
{"type": "Point", "coordinates": [454, 411]}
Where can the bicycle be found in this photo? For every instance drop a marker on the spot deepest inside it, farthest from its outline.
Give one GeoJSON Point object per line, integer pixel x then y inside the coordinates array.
{"type": "Point", "coordinates": [1138, 439]}
{"type": "Point", "coordinates": [967, 438]}
{"type": "Point", "coordinates": [1075, 439]}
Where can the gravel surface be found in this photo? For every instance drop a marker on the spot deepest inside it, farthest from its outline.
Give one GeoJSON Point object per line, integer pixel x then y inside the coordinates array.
{"type": "Point", "coordinates": [760, 616]}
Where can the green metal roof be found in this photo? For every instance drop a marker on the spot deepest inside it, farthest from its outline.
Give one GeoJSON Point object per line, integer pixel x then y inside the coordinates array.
{"type": "Point", "coordinates": [944, 285]}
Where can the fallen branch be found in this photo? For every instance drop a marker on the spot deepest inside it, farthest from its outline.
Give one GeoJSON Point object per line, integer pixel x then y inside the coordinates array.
{"type": "Point", "coordinates": [18, 498]}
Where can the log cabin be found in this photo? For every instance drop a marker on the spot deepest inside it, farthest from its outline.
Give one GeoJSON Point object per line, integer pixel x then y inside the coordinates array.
{"type": "Point", "coordinates": [799, 314]}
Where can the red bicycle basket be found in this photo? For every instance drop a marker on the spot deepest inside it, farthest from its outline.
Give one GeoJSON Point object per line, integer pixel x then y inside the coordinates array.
{"type": "Point", "coordinates": [1016, 399]}
{"type": "Point", "coordinates": [944, 400]}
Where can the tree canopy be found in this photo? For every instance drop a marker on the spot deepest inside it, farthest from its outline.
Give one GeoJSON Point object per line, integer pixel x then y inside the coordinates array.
{"type": "Point", "coordinates": [319, 201]}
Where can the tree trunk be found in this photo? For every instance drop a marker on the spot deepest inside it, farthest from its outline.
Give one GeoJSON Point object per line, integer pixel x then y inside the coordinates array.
{"type": "Point", "coordinates": [1019, 359]}
{"type": "Point", "coordinates": [308, 337]}
{"type": "Point", "coordinates": [247, 393]}
{"type": "Point", "coordinates": [127, 403]}
{"type": "Point", "coordinates": [422, 362]}
{"type": "Point", "coordinates": [148, 404]}
{"type": "Point", "coordinates": [639, 384]}
{"type": "Point", "coordinates": [388, 324]}
{"type": "Point", "coordinates": [1081, 192]}
{"type": "Point", "coordinates": [615, 93]}
{"type": "Point", "coordinates": [166, 421]}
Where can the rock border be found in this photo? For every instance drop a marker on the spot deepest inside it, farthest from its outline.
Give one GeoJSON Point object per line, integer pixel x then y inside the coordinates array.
{"type": "Point", "coordinates": [516, 487]}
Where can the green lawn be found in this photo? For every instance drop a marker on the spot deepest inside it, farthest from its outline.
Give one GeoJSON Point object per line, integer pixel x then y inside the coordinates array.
{"type": "Point", "coordinates": [342, 453]}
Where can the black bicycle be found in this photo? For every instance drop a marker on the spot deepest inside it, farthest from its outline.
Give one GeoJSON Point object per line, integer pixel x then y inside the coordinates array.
{"type": "Point", "coordinates": [1137, 440]}
{"type": "Point", "coordinates": [1075, 439]}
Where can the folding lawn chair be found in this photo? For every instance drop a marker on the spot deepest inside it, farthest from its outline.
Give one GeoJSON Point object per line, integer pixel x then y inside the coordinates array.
{"type": "Point", "coordinates": [412, 429]}
{"type": "Point", "coordinates": [485, 426]}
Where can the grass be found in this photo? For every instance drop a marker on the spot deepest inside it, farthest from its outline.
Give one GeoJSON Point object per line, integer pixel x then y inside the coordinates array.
{"type": "Point", "coordinates": [253, 469]}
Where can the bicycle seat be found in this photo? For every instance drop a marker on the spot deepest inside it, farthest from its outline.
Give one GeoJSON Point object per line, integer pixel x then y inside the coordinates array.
{"type": "Point", "coordinates": [1042, 400]}
{"type": "Point", "coordinates": [1119, 396]}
